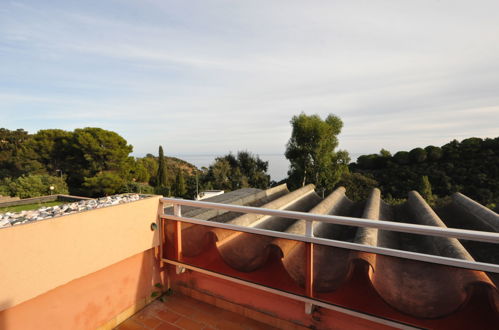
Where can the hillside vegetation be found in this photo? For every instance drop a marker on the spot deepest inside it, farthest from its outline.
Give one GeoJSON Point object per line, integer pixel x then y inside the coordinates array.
{"type": "Point", "coordinates": [470, 167]}
{"type": "Point", "coordinates": [95, 162]}
{"type": "Point", "coordinates": [88, 161]}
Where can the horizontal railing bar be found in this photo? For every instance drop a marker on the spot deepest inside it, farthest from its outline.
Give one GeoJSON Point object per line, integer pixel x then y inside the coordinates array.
{"type": "Point", "coordinates": [379, 320]}
{"type": "Point", "coordinates": [486, 267]}
{"type": "Point", "coordinates": [466, 234]}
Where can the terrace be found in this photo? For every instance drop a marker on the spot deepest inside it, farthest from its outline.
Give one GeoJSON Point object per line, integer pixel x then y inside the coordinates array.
{"type": "Point", "coordinates": [255, 259]}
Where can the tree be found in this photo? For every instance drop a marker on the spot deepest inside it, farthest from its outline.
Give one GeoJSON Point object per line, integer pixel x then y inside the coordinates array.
{"type": "Point", "coordinates": [161, 178]}
{"type": "Point", "coordinates": [92, 151]}
{"type": "Point", "coordinates": [35, 185]}
{"type": "Point", "coordinates": [150, 163]}
{"type": "Point", "coordinates": [233, 172]}
{"type": "Point", "coordinates": [101, 150]}
{"type": "Point", "coordinates": [139, 171]}
{"type": "Point", "coordinates": [220, 172]}
{"type": "Point", "coordinates": [253, 169]}
{"type": "Point", "coordinates": [358, 187]}
{"type": "Point", "coordinates": [16, 158]}
{"type": "Point", "coordinates": [433, 153]}
{"type": "Point", "coordinates": [417, 155]}
{"type": "Point", "coordinates": [385, 153]}
{"type": "Point", "coordinates": [72, 156]}
{"type": "Point", "coordinates": [311, 152]}
{"type": "Point", "coordinates": [402, 158]}
{"type": "Point", "coordinates": [425, 189]}
{"type": "Point", "coordinates": [52, 147]}
{"type": "Point", "coordinates": [179, 188]}
{"type": "Point", "coordinates": [105, 184]}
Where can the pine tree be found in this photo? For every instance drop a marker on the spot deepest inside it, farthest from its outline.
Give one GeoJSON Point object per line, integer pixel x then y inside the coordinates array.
{"type": "Point", "coordinates": [311, 152]}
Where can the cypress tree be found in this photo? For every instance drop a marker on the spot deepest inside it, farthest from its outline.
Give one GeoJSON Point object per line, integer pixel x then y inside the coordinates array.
{"type": "Point", "coordinates": [180, 189]}
{"type": "Point", "coordinates": [425, 189]}
{"type": "Point", "coordinates": [161, 180]}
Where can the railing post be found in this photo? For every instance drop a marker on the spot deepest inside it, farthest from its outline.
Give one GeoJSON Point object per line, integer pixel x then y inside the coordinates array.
{"type": "Point", "coordinates": [177, 211]}
{"type": "Point", "coordinates": [309, 278]}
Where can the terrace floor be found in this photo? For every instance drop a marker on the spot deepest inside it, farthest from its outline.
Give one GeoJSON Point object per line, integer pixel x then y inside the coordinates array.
{"type": "Point", "coordinates": [182, 312]}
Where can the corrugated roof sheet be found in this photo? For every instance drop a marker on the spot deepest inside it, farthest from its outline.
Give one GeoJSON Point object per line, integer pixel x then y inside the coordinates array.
{"type": "Point", "coordinates": [417, 289]}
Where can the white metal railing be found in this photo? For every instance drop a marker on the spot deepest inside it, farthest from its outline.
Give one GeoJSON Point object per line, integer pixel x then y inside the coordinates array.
{"type": "Point", "coordinates": [310, 218]}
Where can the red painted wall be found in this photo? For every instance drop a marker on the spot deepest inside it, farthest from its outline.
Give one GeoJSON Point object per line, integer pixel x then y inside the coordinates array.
{"type": "Point", "coordinates": [268, 303]}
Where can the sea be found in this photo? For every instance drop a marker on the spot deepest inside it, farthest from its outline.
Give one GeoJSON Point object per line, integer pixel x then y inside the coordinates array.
{"type": "Point", "coordinates": [278, 164]}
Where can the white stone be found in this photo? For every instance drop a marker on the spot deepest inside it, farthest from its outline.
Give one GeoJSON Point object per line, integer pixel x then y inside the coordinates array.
{"type": "Point", "coordinates": [4, 223]}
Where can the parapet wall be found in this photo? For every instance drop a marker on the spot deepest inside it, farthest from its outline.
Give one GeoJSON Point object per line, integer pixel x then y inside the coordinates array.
{"type": "Point", "coordinates": [43, 255]}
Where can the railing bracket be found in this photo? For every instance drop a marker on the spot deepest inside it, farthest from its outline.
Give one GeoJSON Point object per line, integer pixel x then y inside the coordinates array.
{"type": "Point", "coordinates": [309, 308]}
{"type": "Point", "coordinates": [179, 270]}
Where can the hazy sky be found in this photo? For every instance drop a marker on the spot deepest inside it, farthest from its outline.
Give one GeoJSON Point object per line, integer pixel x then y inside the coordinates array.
{"type": "Point", "coordinates": [208, 77]}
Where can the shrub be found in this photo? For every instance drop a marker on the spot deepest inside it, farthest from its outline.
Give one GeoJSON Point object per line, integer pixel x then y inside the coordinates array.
{"type": "Point", "coordinates": [35, 185]}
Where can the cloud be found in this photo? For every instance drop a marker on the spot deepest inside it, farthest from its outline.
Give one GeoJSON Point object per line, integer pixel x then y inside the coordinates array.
{"type": "Point", "coordinates": [222, 75]}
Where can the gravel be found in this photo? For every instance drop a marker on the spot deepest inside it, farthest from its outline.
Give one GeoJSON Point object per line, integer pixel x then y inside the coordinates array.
{"type": "Point", "coordinates": [15, 218]}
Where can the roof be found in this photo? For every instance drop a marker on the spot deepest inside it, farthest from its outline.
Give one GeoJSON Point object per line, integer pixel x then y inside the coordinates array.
{"type": "Point", "coordinates": [415, 289]}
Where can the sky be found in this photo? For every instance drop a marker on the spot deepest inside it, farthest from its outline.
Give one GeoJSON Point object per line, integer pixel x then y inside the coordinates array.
{"type": "Point", "coordinates": [209, 77]}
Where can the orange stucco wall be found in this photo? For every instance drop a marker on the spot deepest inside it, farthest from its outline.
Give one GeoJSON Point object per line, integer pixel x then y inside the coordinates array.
{"type": "Point", "coordinates": [89, 301]}
{"type": "Point", "coordinates": [41, 256]}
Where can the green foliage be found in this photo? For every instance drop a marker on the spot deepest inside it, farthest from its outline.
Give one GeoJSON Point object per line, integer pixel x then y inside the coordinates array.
{"type": "Point", "coordinates": [470, 166]}
{"type": "Point", "coordinates": [73, 156]}
{"type": "Point", "coordinates": [161, 177]}
{"type": "Point", "coordinates": [85, 158]}
{"type": "Point", "coordinates": [233, 172]}
{"type": "Point", "coordinates": [402, 158]}
{"type": "Point", "coordinates": [146, 170]}
{"type": "Point", "coordinates": [394, 201]}
{"type": "Point", "coordinates": [52, 147]}
{"type": "Point", "coordinates": [417, 155]}
{"type": "Point", "coordinates": [138, 188]}
{"type": "Point", "coordinates": [104, 184]}
{"type": "Point", "coordinates": [139, 171]}
{"type": "Point", "coordinates": [221, 173]}
{"type": "Point", "coordinates": [88, 154]}
{"type": "Point", "coordinates": [150, 164]}
{"type": "Point", "coordinates": [372, 161]}
{"type": "Point", "coordinates": [311, 152]}
{"type": "Point", "coordinates": [101, 150]}
{"type": "Point", "coordinates": [253, 169]}
{"type": "Point", "coordinates": [433, 153]}
{"type": "Point", "coordinates": [358, 187]}
{"type": "Point", "coordinates": [179, 189]}
{"type": "Point", "coordinates": [161, 293]}
{"type": "Point", "coordinates": [385, 153]}
{"type": "Point", "coordinates": [33, 186]}
{"type": "Point", "coordinates": [4, 187]}
{"type": "Point", "coordinates": [164, 191]}
{"type": "Point", "coordinates": [425, 189]}
{"type": "Point", "coordinates": [16, 157]}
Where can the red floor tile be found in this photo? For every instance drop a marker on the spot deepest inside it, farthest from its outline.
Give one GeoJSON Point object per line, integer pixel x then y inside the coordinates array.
{"type": "Point", "coordinates": [181, 312]}
{"type": "Point", "coordinates": [167, 326]}
{"type": "Point", "coordinates": [186, 323]}
{"type": "Point", "coordinates": [145, 319]}
{"type": "Point", "coordinates": [167, 315]}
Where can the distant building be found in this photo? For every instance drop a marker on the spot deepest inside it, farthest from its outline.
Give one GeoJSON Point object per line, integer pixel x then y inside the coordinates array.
{"type": "Point", "coordinates": [208, 193]}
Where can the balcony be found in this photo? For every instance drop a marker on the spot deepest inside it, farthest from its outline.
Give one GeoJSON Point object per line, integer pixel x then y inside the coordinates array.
{"type": "Point", "coordinates": [269, 258]}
